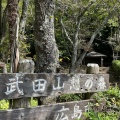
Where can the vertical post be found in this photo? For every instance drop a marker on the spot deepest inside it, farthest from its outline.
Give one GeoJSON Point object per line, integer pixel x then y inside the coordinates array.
{"type": "Point", "coordinates": [91, 69]}
{"type": "Point", "coordinates": [47, 54]}
{"type": "Point", "coordinates": [4, 68]}
{"type": "Point", "coordinates": [24, 66]}
{"type": "Point", "coordinates": [101, 61]}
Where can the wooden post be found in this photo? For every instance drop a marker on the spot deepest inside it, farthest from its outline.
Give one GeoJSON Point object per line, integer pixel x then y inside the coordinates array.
{"type": "Point", "coordinates": [24, 66]}
{"type": "Point", "coordinates": [3, 65]}
{"type": "Point", "coordinates": [101, 61]}
{"type": "Point", "coordinates": [92, 68]}
{"type": "Point", "coordinates": [5, 69]}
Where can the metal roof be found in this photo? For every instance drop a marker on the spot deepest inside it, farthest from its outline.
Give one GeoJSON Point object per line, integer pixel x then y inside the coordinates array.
{"type": "Point", "coordinates": [95, 54]}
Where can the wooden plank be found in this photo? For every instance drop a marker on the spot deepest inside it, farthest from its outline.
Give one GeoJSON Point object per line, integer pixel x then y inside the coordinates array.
{"type": "Point", "coordinates": [35, 85]}
{"type": "Point", "coordinates": [62, 111]}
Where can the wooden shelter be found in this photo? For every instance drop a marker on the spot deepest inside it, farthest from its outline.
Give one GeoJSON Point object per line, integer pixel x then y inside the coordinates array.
{"type": "Point", "coordinates": [94, 57]}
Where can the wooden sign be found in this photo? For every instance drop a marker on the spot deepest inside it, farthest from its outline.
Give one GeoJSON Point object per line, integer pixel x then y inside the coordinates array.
{"type": "Point", "coordinates": [20, 85]}
{"type": "Point", "coordinates": [61, 111]}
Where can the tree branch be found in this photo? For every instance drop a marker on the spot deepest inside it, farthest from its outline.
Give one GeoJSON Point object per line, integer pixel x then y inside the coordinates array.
{"type": "Point", "coordinates": [66, 33]}
{"type": "Point", "coordinates": [79, 18]}
{"type": "Point", "coordinates": [75, 43]}
{"type": "Point", "coordinates": [95, 34]}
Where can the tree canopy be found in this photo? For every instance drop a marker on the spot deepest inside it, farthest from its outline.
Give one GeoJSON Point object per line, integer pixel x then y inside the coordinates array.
{"type": "Point", "coordinates": [80, 26]}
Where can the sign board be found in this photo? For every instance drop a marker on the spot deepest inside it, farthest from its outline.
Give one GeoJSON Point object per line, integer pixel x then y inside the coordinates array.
{"type": "Point", "coordinates": [61, 111]}
{"type": "Point", "coordinates": [20, 85]}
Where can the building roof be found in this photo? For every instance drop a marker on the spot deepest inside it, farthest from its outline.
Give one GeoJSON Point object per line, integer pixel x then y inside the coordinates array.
{"type": "Point", "coordinates": [95, 54]}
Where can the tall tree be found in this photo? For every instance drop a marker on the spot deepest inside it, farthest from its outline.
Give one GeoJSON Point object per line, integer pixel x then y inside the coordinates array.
{"type": "Point", "coordinates": [0, 19]}
{"type": "Point", "coordinates": [23, 20]}
{"type": "Point", "coordinates": [24, 16]}
{"type": "Point", "coordinates": [4, 24]}
{"type": "Point", "coordinates": [89, 18]}
{"type": "Point", "coordinates": [45, 44]}
{"type": "Point", "coordinates": [46, 49]}
{"type": "Point", "coordinates": [13, 21]}
{"type": "Point", "coordinates": [114, 38]}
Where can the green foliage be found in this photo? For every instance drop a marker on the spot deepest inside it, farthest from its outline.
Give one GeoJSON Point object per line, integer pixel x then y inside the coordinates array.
{"type": "Point", "coordinates": [34, 102]}
{"type": "Point", "coordinates": [111, 107]}
{"type": "Point", "coordinates": [69, 11]}
{"type": "Point", "coordinates": [113, 22]}
{"type": "Point", "coordinates": [4, 104]}
{"type": "Point", "coordinates": [69, 97]}
{"type": "Point", "coordinates": [27, 41]}
{"type": "Point", "coordinates": [116, 68]}
{"type": "Point", "coordinates": [112, 97]}
{"type": "Point", "coordinates": [114, 92]}
{"type": "Point", "coordinates": [92, 115]}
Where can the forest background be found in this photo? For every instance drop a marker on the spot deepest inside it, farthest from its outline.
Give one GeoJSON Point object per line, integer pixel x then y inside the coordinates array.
{"type": "Point", "coordinates": [80, 27]}
{"type": "Point", "coordinates": [60, 32]}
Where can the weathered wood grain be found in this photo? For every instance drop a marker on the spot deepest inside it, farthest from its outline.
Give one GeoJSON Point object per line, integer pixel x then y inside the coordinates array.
{"type": "Point", "coordinates": [34, 85]}
{"type": "Point", "coordinates": [62, 111]}
{"type": "Point", "coordinates": [24, 66]}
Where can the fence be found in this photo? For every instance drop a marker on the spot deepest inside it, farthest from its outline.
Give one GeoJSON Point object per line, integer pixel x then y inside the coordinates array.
{"type": "Point", "coordinates": [23, 85]}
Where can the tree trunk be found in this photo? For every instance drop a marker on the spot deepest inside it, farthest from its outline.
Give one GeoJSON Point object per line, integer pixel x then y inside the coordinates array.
{"type": "Point", "coordinates": [4, 68]}
{"type": "Point", "coordinates": [94, 35]}
{"type": "Point", "coordinates": [0, 19]}
{"type": "Point", "coordinates": [13, 20]}
{"type": "Point", "coordinates": [76, 40]}
{"type": "Point", "coordinates": [23, 16]}
{"type": "Point", "coordinates": [75, 49]}
{"type": "Point", "coordinates": [4, 24]}
{"type": "Point", "coordinates": [46, 49]}
{"type": "Point", "coordinates": [25, 66]}
{"type": "Point", "coordinates": [45, 44]}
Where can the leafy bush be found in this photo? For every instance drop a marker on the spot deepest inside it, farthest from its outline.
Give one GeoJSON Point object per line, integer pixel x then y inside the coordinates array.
{"type": "Point", "coordinates": [69, 97]}
{"type": "Point", "coordinates": [4, 104]}
{"type": "Point", "coordinates": [116, 67]}
{"type": "Point", "coordinates": [111, 105]}
{"type": "Point", "coordinates": [34, 102]}
{"type": "Point", "coordinates": [92, 115]}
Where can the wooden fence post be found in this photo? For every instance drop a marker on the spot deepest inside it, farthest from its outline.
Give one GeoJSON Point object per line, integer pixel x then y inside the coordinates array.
{"type": "Point", "coordinates": [24, 66]}
{"type": "Point", "coordinates": [92, 68]}
{"type": "Point", "coordinates": [4, 68]}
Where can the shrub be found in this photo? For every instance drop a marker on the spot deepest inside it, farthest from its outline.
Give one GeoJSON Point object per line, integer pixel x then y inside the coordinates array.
{"type": "Point", "coordinates": [111, 104]}
{"type": "Point", "coordinates": [116, 68]}
{"type": "Point", "coordinates": [69, 97]}
{"type": "Point", "coordinates": [4, 104]}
